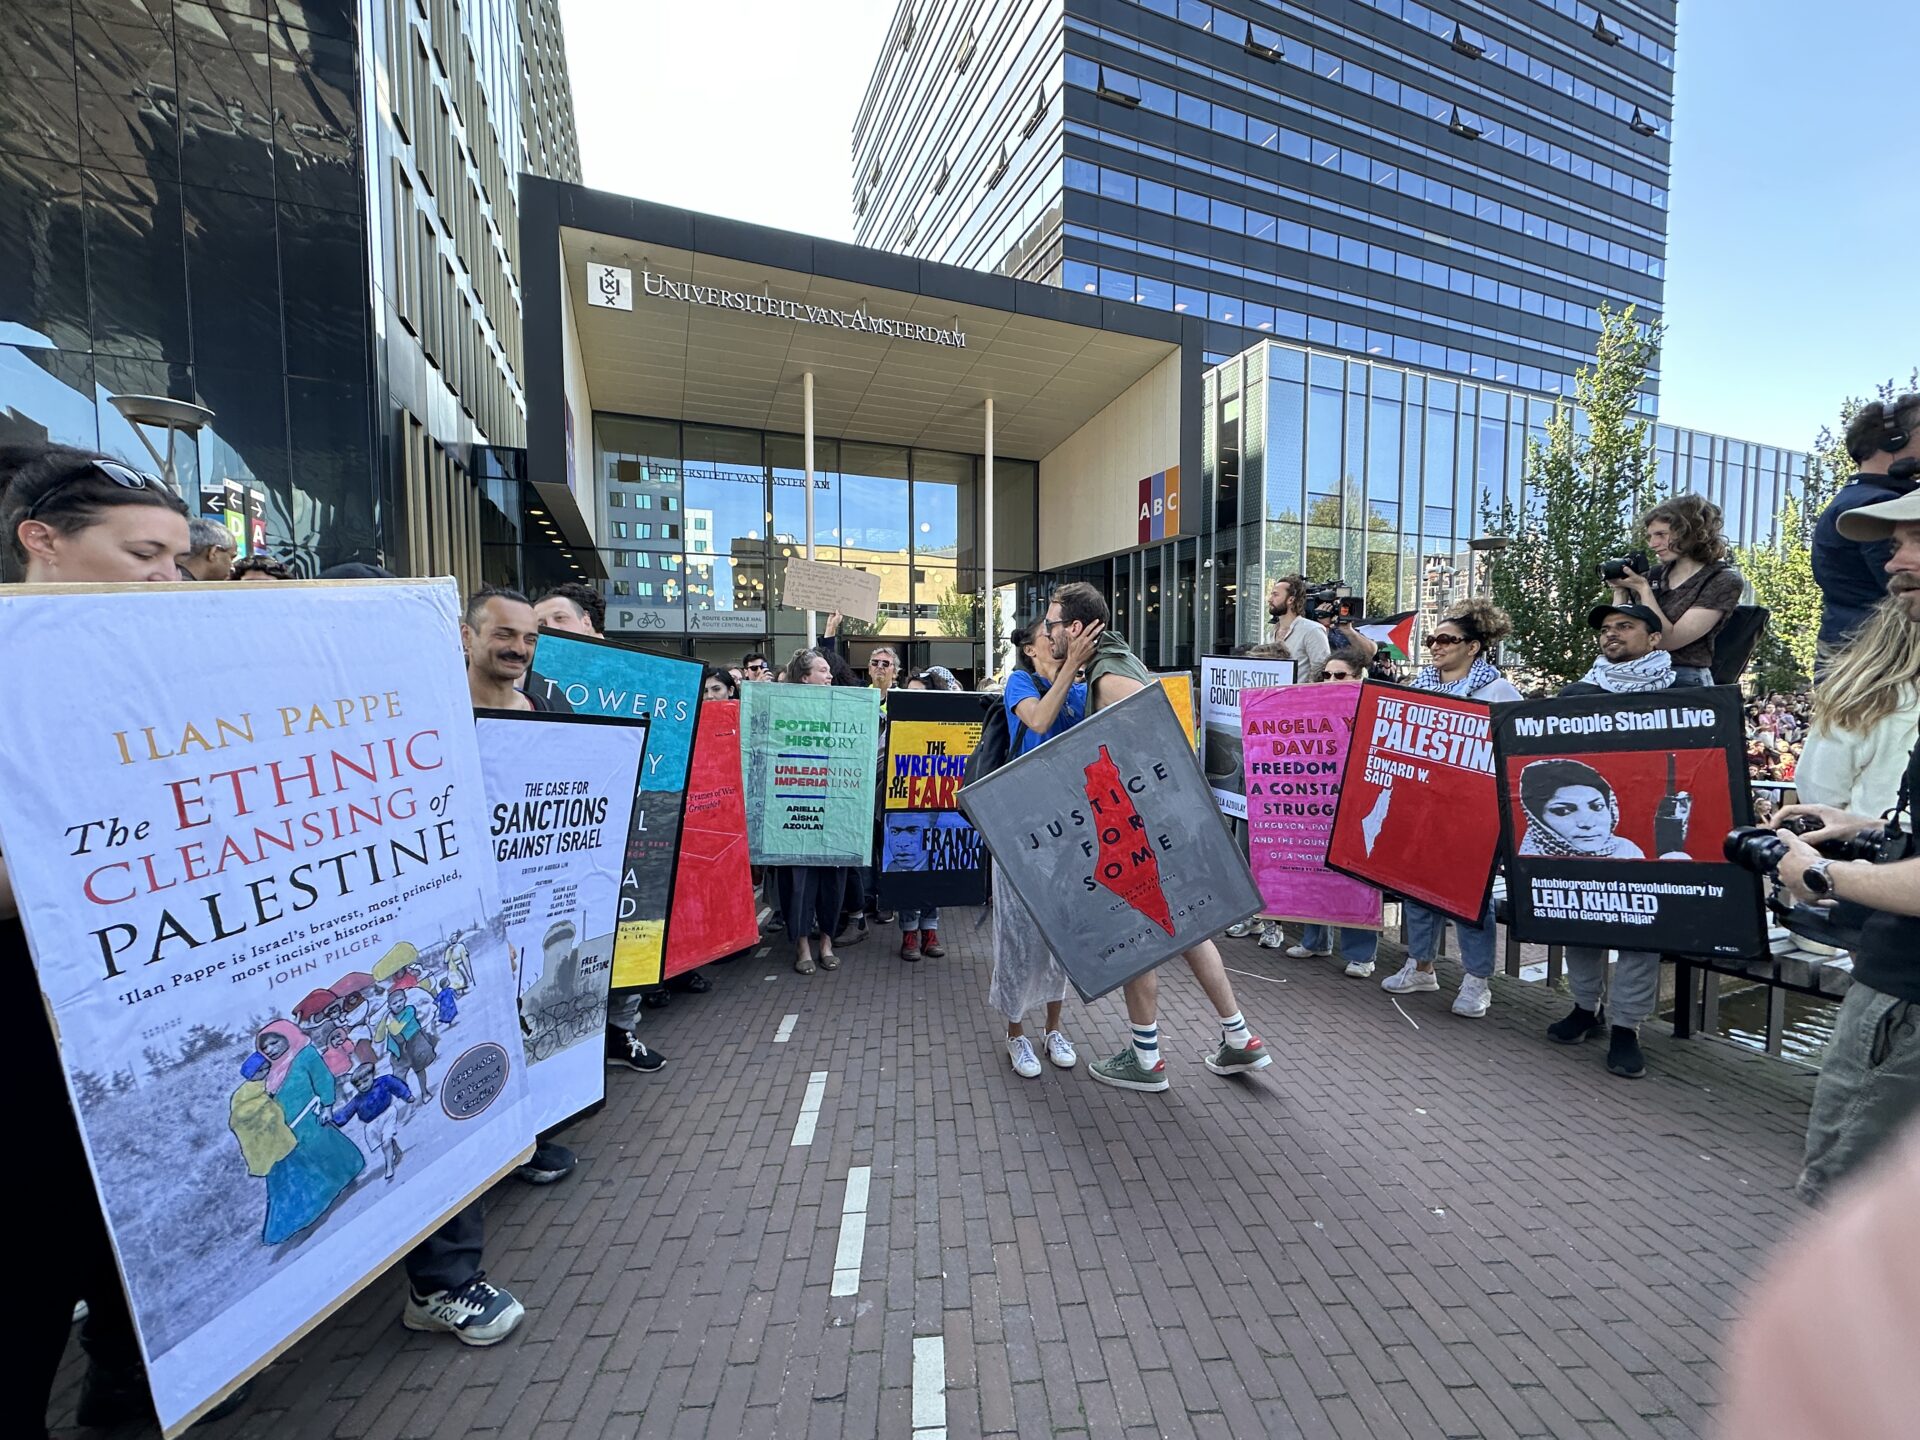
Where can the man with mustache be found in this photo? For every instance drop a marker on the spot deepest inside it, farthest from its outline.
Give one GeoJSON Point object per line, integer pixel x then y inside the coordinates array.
{"type": "Point", "coordinates": [1870, 1075]}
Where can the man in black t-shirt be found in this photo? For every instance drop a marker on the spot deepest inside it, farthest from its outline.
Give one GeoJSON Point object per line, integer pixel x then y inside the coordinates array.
{"type": "Point", "coordinates": [1884, 441]}
{"type": "Point", "coordinates": [1870, 1076]}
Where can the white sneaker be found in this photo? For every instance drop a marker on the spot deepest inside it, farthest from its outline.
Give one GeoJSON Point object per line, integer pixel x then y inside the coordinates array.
{"type": "Point", "coordinates": [1240, 931]}
{"type": "Point", "coordinates": [1060, 1050]}
{"type": "Point", "coordinates": [1301, 952]}
{"type": "Point", "coordinates": [1026, 1064]}
{"type": "Point", "coordinates": [1272, 937]}
{"type": "Point", "coordinates": [1474, 997]}
{"type": "Point", "coordinates": [1359, 969]}
{"type": "Point", "coordinates": [1409, 979]}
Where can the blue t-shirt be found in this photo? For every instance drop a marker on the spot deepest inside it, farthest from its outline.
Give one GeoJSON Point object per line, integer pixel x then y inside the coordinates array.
{"type": "Point", "coordinates": [1024, 685]}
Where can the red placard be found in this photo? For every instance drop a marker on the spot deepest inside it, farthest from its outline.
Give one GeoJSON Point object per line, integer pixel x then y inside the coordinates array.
{"type": "Point", "coordinates": [1419, 802]}
{"type": "Point", "coordinates": [713, 913]}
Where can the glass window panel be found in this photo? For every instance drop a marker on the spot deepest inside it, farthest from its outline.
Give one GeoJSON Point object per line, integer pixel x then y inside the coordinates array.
{"type": "Point", "coordinates": [1190, 206]}
{"type": "Point", "coordinates": [1294, 144]}
{"type": "Point", "coordinates": [1116, 185]}
{"type": "Point", "coordinates": [1291, 233]}
{"type": "Point", "coordinates": [1155, 196]}
{"type": "Point", "coordinates": [1082, 175]}
{"type": "Point", "coordinates": [1078, 275]}
{"type": "Point", "coordinates": [1224, 308]}
{"type": "Point", "coordinates": [785, 458]}
{"type": "Point", "coordinates": [1189, 301]}
{"type": "Point", "coordinates": [1155, 292]}
{"type": "Point", "coordinates": [1260, 225]}
{"type": "Point", "coordinates": [1259, 316]}
{"type": "Point", "coordinates": [1228, 216]}
{"type": "Point", "coordinates": [1116, 284]}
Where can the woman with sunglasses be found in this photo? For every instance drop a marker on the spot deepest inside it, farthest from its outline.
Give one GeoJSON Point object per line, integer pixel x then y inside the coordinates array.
{"type": "Point", "coordinates": [71, 517]}
{"type": "Point", "coordinates": [1459, 662]}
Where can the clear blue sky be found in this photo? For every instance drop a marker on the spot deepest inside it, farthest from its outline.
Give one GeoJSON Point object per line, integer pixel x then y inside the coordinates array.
{"type": "Point", "coordinates": [1793, 166]}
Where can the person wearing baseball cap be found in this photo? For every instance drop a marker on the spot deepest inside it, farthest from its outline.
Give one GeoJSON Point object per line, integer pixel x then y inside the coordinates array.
{"type": "Point", "coordinates": [1630, 655]}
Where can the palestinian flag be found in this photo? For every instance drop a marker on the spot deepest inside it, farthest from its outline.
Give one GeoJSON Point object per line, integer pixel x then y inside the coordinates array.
{"type": "Point", "coordinates": [1395, 633]}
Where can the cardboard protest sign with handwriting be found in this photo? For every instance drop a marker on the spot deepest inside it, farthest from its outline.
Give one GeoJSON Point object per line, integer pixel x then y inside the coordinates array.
{"type": "Point", "coordinates": [817, 585]}
{"type": "Point", "coordinates": [1109, 835]}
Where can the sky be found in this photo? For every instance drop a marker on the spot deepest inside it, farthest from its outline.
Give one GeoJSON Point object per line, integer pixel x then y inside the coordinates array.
{"type": "Point", "coordinates": [1793, 196]}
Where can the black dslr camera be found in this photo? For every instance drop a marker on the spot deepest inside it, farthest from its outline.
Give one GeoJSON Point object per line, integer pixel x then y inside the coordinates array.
{"type": "Point", "coordinates": [1331, 603]}
{"type": "Point", "coordinates": [1614, 571]}
{"type": "Point", "coordinates": [1760, 850]}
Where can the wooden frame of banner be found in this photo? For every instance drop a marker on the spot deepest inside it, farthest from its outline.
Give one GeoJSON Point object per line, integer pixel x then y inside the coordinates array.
{"type": "Point", "coordinates": [327, 1311]}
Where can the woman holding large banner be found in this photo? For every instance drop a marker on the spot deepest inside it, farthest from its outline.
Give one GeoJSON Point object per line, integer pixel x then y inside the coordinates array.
{"type": "Point", "coordinates": [1459, 663]}
{"type": "Point", "coordinates": [71, 517]}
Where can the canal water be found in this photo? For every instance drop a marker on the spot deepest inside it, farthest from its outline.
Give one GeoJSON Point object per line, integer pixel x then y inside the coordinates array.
{"type": "Point", "coordinates": [1803, 1036]}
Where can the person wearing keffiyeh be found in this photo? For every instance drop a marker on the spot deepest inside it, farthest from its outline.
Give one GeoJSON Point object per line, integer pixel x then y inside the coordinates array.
{"type": "Point", "coordinates": [1631, 659]}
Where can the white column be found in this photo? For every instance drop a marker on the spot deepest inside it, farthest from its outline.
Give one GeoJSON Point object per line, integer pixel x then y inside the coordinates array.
{"type": "Point", "coordinates": [806, 404]}
{"type": "Point", "coordinates": [986, 520]}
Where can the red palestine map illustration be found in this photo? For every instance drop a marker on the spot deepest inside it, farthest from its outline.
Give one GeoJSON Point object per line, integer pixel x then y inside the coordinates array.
{"type": "Point", "coordinates": [1126, 866]}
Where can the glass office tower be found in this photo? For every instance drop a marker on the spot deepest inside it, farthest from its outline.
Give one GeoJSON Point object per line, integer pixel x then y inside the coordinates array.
{"type": "Point", "coordinates": [302, 217]}
{"type": "Point", "coordinates": [1456, 186]}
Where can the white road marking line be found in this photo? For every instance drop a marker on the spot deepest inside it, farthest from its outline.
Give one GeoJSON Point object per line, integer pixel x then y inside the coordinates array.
{"type": "Point", "coordinates": [1403, 1014]}
{"type": "Point", "coordinates": [810, 1108]}
{"type": "Point", "coordinates": [785, 1032]}
{"type": "Point", "coordinates": [929, 1387]}
{"type": "Point", "coordinates": [853, 1232]}
{"type": "Point", "coordinates": [1270, 979]}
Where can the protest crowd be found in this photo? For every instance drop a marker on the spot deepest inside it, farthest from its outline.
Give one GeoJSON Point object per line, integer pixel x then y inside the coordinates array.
{"type": "Point", "coordinates": [867, 807]}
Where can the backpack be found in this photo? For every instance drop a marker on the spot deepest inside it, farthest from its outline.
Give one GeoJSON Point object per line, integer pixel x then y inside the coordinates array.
{"type": "Point", "coordinates": [997, 745]}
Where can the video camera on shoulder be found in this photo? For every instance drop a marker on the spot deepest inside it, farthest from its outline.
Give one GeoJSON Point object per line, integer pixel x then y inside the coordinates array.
{"type": "Point", "coordinates": [1331, 603]}
{"type": "Point", "coordinates": [1632, 563]}
{"type": "Point", "coordinates": [1760, 850]}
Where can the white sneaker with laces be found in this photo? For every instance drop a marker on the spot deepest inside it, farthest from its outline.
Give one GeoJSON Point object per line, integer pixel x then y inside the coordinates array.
{"type": "Point", "coordinates": [1360, 969]}
{"type": "Point", "coordinates": [1026, 1064]}
{"type": "Point", "coordinates": [1240, 931]}
{"type": "Point", "coordinates": [1302, 952]}
{"type": "Point", "coordinates": [1060, 1050]}
{"type": "Point", "coordinates": [1272, 937]}
{"type": "Point", "coordinates": [1475, 996]}
{"type": "Point", "coordinates": [1409, 979]}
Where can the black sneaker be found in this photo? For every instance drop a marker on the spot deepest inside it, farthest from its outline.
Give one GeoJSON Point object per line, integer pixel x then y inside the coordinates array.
{"type": "Point", "coordinates": [691, 983]}
{"type": "Point", "coordinates": [1623, 1053]}
{"type": "Point", "coordinates": [550, 1162]}
{"type": "Point", "coordinates": [624, 1048]}
{"type": "Point", "coordinates": [656, 997]}
{"type": "Point", "coordinates": [1578, 1026]}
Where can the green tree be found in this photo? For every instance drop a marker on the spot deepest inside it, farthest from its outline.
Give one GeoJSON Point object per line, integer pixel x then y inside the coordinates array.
{"type": "Point", "coordinates": [957, 613]}
{"type": "Point", "coordinates": [1781, 570]}
{"type": "Point", "coordinates": [850, 627]}
{"type": "Point", "coordinates": [1583, 493]}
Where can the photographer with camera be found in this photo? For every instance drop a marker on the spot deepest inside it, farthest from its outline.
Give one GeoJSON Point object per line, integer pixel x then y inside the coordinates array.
{"type": "Point", "coordinates": [1823, 857]}
{"type": "Point", "coordinates": [1692, 586]}
{"type": "Point", "coordinates": [1884, 441]}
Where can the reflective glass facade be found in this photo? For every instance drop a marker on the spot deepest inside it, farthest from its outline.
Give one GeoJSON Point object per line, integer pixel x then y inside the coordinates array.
{"type": "Point", "coordinates": [300, 216]}
{"type": "Point", "coordinates": [1455, 186]}
{"type": "Point", "coordinates": [697, 522]}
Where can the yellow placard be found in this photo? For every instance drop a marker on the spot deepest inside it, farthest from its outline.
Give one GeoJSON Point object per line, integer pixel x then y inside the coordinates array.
{"type": "Point", "coordinates": [1179, 688]}
{"type": "Point", "coordinates": [926, 762]}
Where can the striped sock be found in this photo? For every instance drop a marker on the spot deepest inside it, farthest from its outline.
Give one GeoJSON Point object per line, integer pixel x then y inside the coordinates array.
{"type": "Point", "coordinates": [1146, 1046]}
{"type": "Point", "coordinates": [1234, 1030]}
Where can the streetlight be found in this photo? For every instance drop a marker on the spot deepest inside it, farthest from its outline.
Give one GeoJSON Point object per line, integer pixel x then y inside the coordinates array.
{"type": "Point", "coordinates": [176, 417]}
{"type": "Point", "coordinates": [1484, 549]}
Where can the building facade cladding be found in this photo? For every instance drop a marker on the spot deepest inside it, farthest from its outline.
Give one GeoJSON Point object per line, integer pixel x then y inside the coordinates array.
{"type": "Point", "coordinates": [1344, 469]}
{"type": "Point", "coordinates": [1458, 186]}
{"type": "Point", "coordinates": [304, 223]}
{"type": "Point", "coordinates": [546, 94]}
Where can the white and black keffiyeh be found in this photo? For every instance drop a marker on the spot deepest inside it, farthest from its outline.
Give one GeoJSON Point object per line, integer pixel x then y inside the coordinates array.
{"type": "Point", "coordinates": [1652, 671]}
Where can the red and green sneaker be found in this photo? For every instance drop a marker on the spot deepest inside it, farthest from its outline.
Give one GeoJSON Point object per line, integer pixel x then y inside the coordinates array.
{"type": "Point", "coordinates": [1125, 1071]}
{"type": "Point", "coordinates": [1229, 1060]}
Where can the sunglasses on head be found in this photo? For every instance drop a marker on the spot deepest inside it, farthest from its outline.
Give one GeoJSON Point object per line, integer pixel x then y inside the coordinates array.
{"type": "Point", "coordinates": [124, 476]}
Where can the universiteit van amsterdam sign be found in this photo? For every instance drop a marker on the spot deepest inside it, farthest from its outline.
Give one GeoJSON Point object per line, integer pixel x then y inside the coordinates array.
{"type": "Point", "coordinates": [610, 287]}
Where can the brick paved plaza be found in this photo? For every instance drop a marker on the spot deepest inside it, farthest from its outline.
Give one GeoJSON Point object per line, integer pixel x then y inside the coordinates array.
{"type": "Point", "coordinates": [1456, 1229]}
